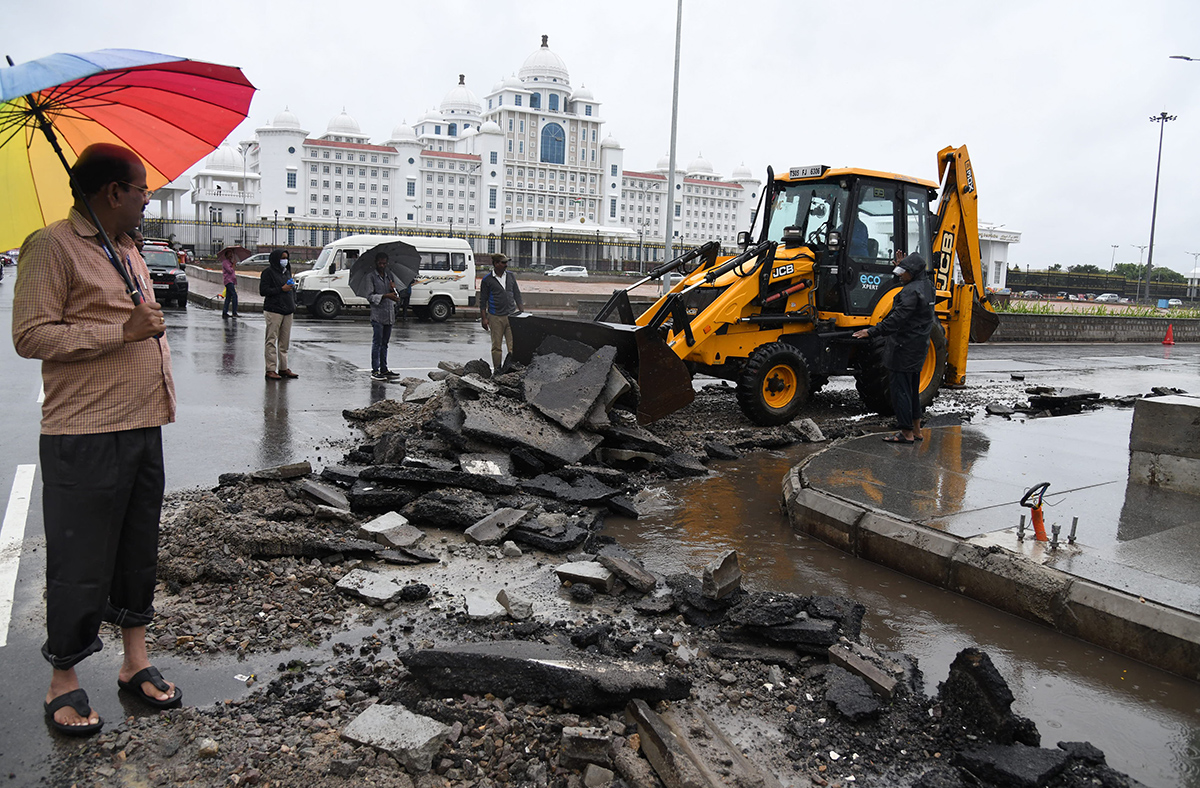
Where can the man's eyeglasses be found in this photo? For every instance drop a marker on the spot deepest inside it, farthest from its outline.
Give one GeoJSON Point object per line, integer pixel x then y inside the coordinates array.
{"type": "Point", "coordinates": [145, 191]}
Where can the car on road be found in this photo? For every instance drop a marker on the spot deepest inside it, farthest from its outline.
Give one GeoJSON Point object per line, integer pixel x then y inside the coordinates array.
{"type": "Point", "coordinates": [568, 270]}
{"type": "Point", "coordinates": [1031, 294]}
{"type": "Point", "coordinates": [674, 279]}
{"type": "Point", "coordinates": [1172, 303]}
{"type": "Point", "coordinates": [262, 258]}
{"type": "Point", "coordinates": [166, 272]}
{"type": "Point", "coordinates": [1108, 298]}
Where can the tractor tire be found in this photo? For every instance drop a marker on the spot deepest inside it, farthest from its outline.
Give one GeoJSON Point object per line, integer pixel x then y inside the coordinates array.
{"type": "Point", "coordinates": [773, 385]}
{"type": "Point", "coordinates": [874, 382]}
{"type": "Point", "coordinates": [440, 309]}
{"type": "Point", "coordinates": [327, 306]}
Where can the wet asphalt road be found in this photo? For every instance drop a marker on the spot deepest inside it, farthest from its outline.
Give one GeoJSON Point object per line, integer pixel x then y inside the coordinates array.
{"type": "Point", "coordinates": [231, 419]}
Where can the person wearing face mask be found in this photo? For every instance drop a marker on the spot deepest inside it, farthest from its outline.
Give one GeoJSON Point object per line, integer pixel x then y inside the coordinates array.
{"type": "Point", "coordinates": [279, 304]}
{"type": "Point", "coordinates": [906, 329]}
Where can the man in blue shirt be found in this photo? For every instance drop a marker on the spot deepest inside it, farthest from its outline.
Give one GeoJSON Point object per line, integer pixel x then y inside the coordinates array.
{"type": "Point", "coordinates": [499, 297]}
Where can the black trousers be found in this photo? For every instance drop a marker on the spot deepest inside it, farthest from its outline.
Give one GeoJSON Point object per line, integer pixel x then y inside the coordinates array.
{"type": "Point", "coordinates": [906, 397]}
{"type": "Point", "coordinates": [101, 501]}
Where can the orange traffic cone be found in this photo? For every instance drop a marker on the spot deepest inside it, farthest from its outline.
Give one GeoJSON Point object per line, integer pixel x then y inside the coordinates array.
{"type": "Point", "coordinates": [1169, 339]}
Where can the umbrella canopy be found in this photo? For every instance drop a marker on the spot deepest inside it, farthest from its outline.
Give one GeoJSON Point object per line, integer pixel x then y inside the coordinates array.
{"type": "Point", "coordinates": [170, 111]}
{"type": "Point", "coordinates": [238, 253]}
{"type": "Point", "coordinates": [403, 264]}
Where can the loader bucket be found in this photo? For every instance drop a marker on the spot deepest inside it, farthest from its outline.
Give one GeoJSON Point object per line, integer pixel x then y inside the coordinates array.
{"type": "Point", "coordinates": [664, 383]}
{"type": "Point", "coordinates": [984, 322]}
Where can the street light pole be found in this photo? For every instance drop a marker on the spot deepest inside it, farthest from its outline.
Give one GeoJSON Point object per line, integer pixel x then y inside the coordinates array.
{"type": "Point", "coordinates": [275, 230]}
{"type": "Point", "coordinates": [1162, 119]}
{"type": "Point", "coordinates": [1112, 266]}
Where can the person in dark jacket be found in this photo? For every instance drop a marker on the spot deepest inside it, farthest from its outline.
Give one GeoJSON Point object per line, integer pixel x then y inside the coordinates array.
{"type": "Point", "coordinates": [499, 297]}
{"type": "Point", "coordinates": [906, 329]}
{"type": "Point", "coordinates": [279, 303]}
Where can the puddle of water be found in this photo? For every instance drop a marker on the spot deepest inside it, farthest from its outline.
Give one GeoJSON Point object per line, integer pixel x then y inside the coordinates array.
{"type": "Point", "coordinates": [1145, 720]}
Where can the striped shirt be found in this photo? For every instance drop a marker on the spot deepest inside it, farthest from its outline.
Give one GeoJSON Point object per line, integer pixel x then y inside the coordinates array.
{"type": "Point", "coordinates": [69, 310]}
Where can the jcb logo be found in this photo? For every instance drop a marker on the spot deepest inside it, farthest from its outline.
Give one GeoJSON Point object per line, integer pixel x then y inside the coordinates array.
{"type": "Point", "coordinates": [944, 259]}
{"type": "Point", "coordinates": [782, 271]}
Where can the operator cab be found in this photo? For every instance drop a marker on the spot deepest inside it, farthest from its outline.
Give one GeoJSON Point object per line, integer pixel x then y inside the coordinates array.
{"type": "Point", "coordinates": [857, 225]}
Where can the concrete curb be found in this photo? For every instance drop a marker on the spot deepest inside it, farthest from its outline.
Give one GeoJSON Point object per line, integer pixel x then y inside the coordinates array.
{"type": "Point", "coordinates": [1155, 634]}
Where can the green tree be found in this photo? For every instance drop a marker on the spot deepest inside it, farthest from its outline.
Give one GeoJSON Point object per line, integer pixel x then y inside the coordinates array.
{"type": "Point", "coordinates": [1055, 267]}
{"type": "Point", "coordinates": [1087, 268]}
{"type": "Point", "coordinates": [1168, 275]}
{"type": "Point", "coordinates": [1130, 271]}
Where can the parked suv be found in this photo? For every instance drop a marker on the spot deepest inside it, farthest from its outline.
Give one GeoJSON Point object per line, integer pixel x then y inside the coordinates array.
{"type": "Point", "coordinates": [1108, 298]}
{"type": "Point", "coordinates": [166, 271]}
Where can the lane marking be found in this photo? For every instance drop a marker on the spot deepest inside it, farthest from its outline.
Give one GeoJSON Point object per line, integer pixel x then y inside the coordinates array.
{"type": "Point", "coordinates": [12, 535]}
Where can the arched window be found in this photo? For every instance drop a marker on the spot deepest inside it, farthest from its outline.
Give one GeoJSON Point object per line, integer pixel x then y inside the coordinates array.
{"type": "Point", "coordinates": [453, 129]}
{"type": "Point", "coordinates": [554, 102]}
{"type": "Point", "coordinates": [535, 101]}
{"type": "Point", "coordinates": [553, 143]}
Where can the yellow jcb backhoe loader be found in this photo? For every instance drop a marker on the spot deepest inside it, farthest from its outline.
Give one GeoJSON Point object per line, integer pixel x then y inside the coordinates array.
{"type": "Point", "coordinates": [777, 318]}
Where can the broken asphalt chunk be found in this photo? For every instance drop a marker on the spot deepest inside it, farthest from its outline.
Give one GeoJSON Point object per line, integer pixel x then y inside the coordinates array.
{"type": "Point", "coordinates": [1015, 765]}
{"type": "Point", "coordinates": [371, 587]}
{"type": "Point", "coordinates": [429, 477]}
{"type": "Point", "coordinates": [722, 576]}
{"type": "Point", "coordinates": [494, 528]}
{"type": "Point", "coordinates": [508, 423]}
{"type": "Point", "coordinates": [411, 739]}
{"type": "Point", "coordinates": [325, 493]}
{"type": "Point", "coordinates": [629, 571]}
{"type": "Point", "coordinates": [291, 471]}
{"type": "Point", "coordinates": [850, 694]}
{"type": "Point", "coordinates": [591, 573]}
{"type": "Point", "coordinates": [391, 530]}
{"type": "Point", "coordinates": [539, 672]}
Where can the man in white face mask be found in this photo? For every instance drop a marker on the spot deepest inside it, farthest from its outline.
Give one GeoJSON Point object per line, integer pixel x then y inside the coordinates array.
{"type": "Point", "coordinates": [279, 304]}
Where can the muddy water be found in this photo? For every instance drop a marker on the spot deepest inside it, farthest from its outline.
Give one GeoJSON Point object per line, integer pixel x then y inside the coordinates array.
{"type": "Point", "coordinates": [1146, 721]}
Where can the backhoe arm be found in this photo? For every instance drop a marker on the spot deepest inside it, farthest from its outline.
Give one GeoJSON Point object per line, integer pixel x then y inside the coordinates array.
{"type": "Point", "coordinates": [957, 228]}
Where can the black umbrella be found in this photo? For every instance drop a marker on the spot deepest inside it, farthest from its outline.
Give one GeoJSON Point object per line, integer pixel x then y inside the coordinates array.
{"type": "Point", "coordinates": [403, 264]}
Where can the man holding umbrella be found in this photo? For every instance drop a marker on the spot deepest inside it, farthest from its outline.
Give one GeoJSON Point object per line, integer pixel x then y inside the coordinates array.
{"type": "Point", "coordinates": [106, 369]}
{"type": "Point", "coordinates": [383, 298]}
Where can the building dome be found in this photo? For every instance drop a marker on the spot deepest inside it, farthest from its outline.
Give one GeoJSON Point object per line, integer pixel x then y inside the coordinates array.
{"type": "Point", "coordinates": [664, 164]}
{"type": "Point", "coordinates": [224, 158]}
{"type": "Point", "coordinates": [343, 124]}
{"type": "Point", "coordinates": [582, 94]}
{"type": "Point", "coordinates": [432, 116]}
{"type": "Point", "coordinates": [490, 127]}
{"type": "Point", "coordinates": [511, 81]}
{"type": "Point", "coordinates": [610, 142]}
{"type": "Point", "coordinates": [469, 132]}
{"type": "Point", "coordinates": [499, 86]}
{"type": "Point", "coordinates": [545, 65]}
{"type": "Point", "coordinates": [742, 173]}
{"type": "Point", "coordinates": [700, 165]}
{"type": "Point", "coordinates": [286, 120]}
{"type": "Point", "coordinates": [404, 133]}
{"type": "Point", "coordinates": [460, 100]}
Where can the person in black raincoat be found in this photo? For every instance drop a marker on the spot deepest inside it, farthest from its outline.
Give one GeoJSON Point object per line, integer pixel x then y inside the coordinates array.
{"type": "Point", "coordinates": [906, 329]}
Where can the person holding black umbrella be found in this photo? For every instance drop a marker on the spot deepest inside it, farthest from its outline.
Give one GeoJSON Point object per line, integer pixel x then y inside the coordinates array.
{"type": "Point", "coordinates": [277, 287]}
{"type": "Point", "coordinates": [383, 298]}
{"type": "Point", "coordinates": [229, 279]}
{"type": "Point", "coordinates": [106, 369]}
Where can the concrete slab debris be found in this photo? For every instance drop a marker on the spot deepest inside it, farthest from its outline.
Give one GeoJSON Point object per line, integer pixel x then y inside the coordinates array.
{"type": "Point", "coordinates": [590, 573]}
{"type": "Point", "coordinates": [477, 383]}
{"type": "Point", "coordinates": [540, 672]}
{"type": "Point", "coordinates": [509, 423]}
{"type": "Point", "coordinates": [881, 673]}
{"type": "Point", "coordinates": [807, 431]}
{"type": "Point", "coordinates": [371, 587]}
{"type": "Point", "coordinates": [568, 399]}
{"type": "Point", "coordinates": [518, 607]}
{"type": "Point", "coordinates": [324, 512]}
{"type": "Point", "coordinates": [340, 474]}
{"type": "Point", "coordinates": [495, 527]}
{"type": "Point", "coordinates": [722, 576]}
{"type": "Point", "coordinates": [850, 694]}
{"type": "Point", "coordinates": [391, 448]}
{"type": "Point", "coordinates": [325, 493]}
{"type": "Point", "coordinates": [688, 750]}
{"type": "Point", "coordinates": [597, 776]}
{"type": "Point", "coordinates": [1013, 765]}
{"type": "Point", "coordinates": [410, 738]}
{"type": "Point", "coordinates": [430, 477]}
{"type": "Point", "coordinates": [290, 471]}
{"type": "Point", "coordinates": [426, 391]}
{"type": "Point", "coordinates": [629, 571]}
{"type": "Point", "coordinates": [487, 464]}
{"type": "Point", "coordinates": [977, 699]}
{"type": "Point", "coordinates": [392, 530]}
{"type": "Point", "coordinates": [582, 746]}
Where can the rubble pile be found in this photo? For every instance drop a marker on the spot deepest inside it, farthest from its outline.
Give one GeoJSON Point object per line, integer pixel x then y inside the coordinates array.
{"type": "Point", "coordinates": [451, 614]}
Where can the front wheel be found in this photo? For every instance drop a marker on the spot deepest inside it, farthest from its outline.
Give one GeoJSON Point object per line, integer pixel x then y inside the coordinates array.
{"type": "Point", "coordinates": [773, 385]}
{"type": "Point", "coordinates": [440, 310]}
{"type": "Point", "coordinates": [327, 306]}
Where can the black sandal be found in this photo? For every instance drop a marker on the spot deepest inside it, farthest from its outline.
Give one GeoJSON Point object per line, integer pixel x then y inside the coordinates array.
{"type": "Point", "coordinates": [897, 438]}
{"type": "Point", "coordinates": [151, 674]}
{"type": "Point", "coordinates": [77, 699]}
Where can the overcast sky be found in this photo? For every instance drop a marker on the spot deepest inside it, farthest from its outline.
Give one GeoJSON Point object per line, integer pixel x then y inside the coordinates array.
{"type": "Point", "coordinates": [1053, 98]}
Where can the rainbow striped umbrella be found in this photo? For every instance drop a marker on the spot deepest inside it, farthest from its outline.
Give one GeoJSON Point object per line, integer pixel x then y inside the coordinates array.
{"type": "Point", "coordinates": [170, 111]}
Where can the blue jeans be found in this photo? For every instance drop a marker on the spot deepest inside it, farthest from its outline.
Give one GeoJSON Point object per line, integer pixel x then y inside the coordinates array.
{"type": "Point", "coordinates": [380, 334]}
{"type": "Point", "coordinates": [230, 300]}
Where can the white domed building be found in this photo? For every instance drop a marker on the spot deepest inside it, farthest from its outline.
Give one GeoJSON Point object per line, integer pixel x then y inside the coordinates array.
{"type": "Point", "coordinates": [530, 160]}
{"type": "Point", "coordinates": [226, 192]}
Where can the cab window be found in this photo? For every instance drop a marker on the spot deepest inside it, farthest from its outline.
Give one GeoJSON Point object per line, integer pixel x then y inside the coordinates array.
{"type": "Point", "coordinates": [435, 261]}
{"type": "Point", "coordinates": [916, 208]}
{"type": "Point", "coordinates": [458, 261]}
{"type": "Point", "coordinates": [816, 207]}
{"type": "Point", "coordinates": [871, 245]}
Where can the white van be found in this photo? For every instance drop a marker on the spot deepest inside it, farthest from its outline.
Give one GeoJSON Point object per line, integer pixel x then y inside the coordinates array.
{"type": "Point", "coordinates": [445, 282]}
